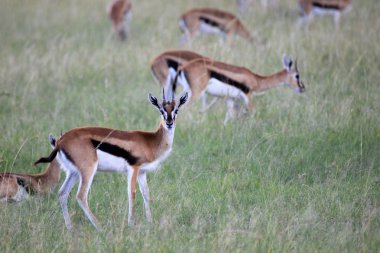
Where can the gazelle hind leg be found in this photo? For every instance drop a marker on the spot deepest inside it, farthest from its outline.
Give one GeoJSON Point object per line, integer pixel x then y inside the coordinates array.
{"type": "Point", "coordinates": [230, 110]}
{"type": "Point", "coordinates": [86, 178]}
{"type": "Point", "coordinates": [143, 185]}
{"type": "Point", "coordinates": [64, 192]}
{"type": "Point", "coordinates": [205, 105]}
{"type": "Point", "coordinates": [132, 177]}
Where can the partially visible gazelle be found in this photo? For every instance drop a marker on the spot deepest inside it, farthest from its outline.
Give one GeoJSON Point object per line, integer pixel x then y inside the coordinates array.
{"type": "Point", "coordinates": [209, 20]}
{"type": "Point", "coordinates": [335, 8]}
{"type": "Point", "coordinates": [84, 151]}
{"type": "Point", "coordinates": [237, 84]}
{"type": "Point", "coordinates": [18, 186]}
{"type": "Point", "coordinates": [120, 13]}
{"type": "Point", "coordinates": [166, 64]}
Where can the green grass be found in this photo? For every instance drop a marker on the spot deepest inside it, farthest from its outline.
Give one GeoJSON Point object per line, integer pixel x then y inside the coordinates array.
{"type": "Point", "coordinates": [300, 175]}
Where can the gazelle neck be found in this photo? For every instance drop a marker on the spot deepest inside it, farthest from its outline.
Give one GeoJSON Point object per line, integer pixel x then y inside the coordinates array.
{"type": "Point", "coordinates": [166, 134]}
{"type": "Point", "coordinates": [49, 178]}
{"type": "Point", "coordinates": [271, 81]}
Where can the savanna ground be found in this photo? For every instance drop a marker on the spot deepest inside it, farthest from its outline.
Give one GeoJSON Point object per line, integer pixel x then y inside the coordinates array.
{"type": "Point", "coordinates": [300, 175]}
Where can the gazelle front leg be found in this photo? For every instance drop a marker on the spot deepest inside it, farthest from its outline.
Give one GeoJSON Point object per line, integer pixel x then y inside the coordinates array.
{"type": "Point", "coordinates": [132, 177]}
{"type": "Point", "coordinates": [143, 185]}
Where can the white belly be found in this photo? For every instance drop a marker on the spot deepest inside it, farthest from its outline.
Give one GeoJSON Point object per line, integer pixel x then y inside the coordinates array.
{"type": "Point", "coordinates": [220, 89]}
{"type": "Point", "coordinates": [206, 28]}
{"type": "Point", "coordinates": [111, 163]}
{"type": "Point", "coordinates": [322, 12]}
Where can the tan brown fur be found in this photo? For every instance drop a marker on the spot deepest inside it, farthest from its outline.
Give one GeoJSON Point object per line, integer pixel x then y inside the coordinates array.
{"type": "Point", "coordinates": [32, 183]}
{"type": "Point", "coordinates": [307, 7]}
{"type": "Point", "coordinates": [160, 67]}
{"type": "Point", "coordinates": [226, 21]}
{"type": "Point", "coordinates": [118, 12]}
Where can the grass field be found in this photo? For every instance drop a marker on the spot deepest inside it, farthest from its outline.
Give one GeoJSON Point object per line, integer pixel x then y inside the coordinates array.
{"type": "Point", "coordinates": [302, 174]}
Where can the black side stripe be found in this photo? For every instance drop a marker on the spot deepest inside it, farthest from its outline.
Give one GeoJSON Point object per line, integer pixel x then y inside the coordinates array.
{"type": "Point", "coordinates": [224, 79]}
{"type": "Point", "coordinates": [210, 22]}
{"type": "Point", "coordinates": [327, 6]}
{"type": "Point", "coordinates": [172, 64]}
{"type": "Point", "coordinates": [115, 150]}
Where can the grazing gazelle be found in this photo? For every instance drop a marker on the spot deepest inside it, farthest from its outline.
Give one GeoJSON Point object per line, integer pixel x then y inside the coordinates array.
{"type": "Point", "coordinates": [206, 77]}
{"type": "Point", "coordinates": [335, 8]}
{"type": "Point", "coordinates": [120, 13]}
{"type": "Point", "coordinates": [83, 151]}
{"type": "Point", "coordinates": [209, 20]}
{"type": "Point", "coordinates": [18, 186]}
{"type": "Point", "coordinates": [165, 65]}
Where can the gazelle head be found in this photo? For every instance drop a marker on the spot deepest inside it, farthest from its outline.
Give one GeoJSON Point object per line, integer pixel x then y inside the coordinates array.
{"type": "Point", "coordinates": [168, 108]}
{"type": "Point", "coordinates": [293, 78]}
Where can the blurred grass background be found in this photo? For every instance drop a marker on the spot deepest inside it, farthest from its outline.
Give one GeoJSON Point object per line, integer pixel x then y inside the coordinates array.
{"type": "Point", "coordinates": [302, 174]}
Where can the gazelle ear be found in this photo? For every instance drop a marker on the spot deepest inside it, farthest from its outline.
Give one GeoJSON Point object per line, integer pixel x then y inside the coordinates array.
{"type": "Point", "coordinates": [290, 64]}
{"type": "Point", "coordinates": [287, 64]}
{"type": "Point", "coordinates": [183, 99]}
{"type": "Point", "coordinates": [154, 101]}
{"type": "Point", "coordinates": [52, 140]}
{"type": "Point", "coordinates": [284, 61]}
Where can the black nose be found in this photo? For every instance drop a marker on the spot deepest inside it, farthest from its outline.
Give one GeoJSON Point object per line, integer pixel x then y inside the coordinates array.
{"type": "Point", "coordinates": [169, 124]}
{"type": "Point", "coordinates": [302, 89]}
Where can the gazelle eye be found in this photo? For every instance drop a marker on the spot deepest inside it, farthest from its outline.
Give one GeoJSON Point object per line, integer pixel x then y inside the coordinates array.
{"type": "Point", "coordinates": [175, 111]}
{"type": "Point", "coordinates": [297, 76]}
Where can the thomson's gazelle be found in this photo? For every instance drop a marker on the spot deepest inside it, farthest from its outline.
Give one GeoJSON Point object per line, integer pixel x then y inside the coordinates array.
{"type": "Point", "coordinates": [206, 77]}
{"type": "Point", "coordinates": [335, 8]}
{"type": "Point", "coordinates": [209, 20]}
{"type": "Point", "coordinates": [83, 151]}
{"type": "Point", "coordinates": [18, 186]}
{"type": "Point", "coordinates": [166, 64]}
{"type": "Point", "coordinates": [120, 13]}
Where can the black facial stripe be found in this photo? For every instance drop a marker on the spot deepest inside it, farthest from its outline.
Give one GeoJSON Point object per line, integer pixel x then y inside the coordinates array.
{"type": "Point", "coordinates": [327, 6]}
{"type": "Point", "coordinates": [224, 79]}
{"type": "Point", "coordinates": [172, 64]}
{"type": "Point", "coordinates": [115, 150]}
